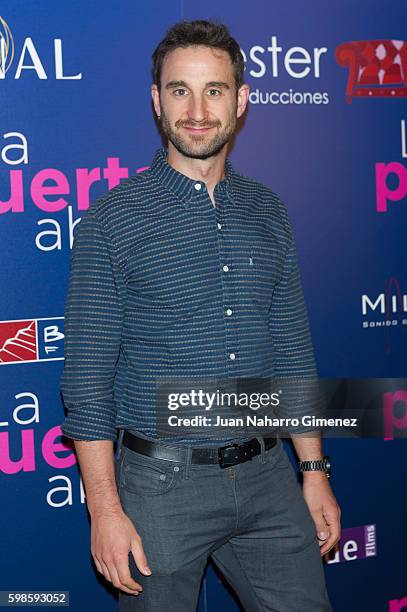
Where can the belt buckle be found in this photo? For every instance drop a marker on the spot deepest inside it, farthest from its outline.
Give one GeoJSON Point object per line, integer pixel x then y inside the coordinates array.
{"type": "Point", "coordinates": [243, 454]}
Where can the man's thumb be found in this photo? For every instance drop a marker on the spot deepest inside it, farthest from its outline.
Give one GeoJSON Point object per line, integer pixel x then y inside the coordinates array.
{"type": "Point", "coordinates": [141, 561]}
{"type": "Point", "coordinates": [323, 534]}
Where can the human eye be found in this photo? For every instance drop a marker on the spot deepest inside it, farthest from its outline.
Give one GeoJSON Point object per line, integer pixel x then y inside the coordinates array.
{"type": "Point", "coordinates": [214, 93]}
{"type": "Point", "coordinates": [181, 91]}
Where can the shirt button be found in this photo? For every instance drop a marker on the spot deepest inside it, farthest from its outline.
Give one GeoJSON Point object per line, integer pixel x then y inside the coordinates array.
{"type": "Point", "coordinates": [198, 186]}
{"type": "Point", "coordinates": [229, 312]}
{"type": "Point", "coordinates": [219, 226]}
{"type": "Point", "coordinates": [226, 268]}
{"type": "Point", "coordinates": [232, 356]}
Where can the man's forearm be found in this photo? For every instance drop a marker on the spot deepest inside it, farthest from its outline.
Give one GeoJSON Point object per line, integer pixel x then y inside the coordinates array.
{"type": "Point", "coordinates": [309, 449]}
{"type": "Point", "coordinates": [96, 461]}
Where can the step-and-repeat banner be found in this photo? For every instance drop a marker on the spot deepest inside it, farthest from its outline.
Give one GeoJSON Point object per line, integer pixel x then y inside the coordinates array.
{"type": "Point", "coordinates": [325, 129]}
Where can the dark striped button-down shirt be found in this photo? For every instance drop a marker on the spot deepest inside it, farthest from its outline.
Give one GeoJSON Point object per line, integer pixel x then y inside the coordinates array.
{"type": "Point", "coordinates": [162, 283]}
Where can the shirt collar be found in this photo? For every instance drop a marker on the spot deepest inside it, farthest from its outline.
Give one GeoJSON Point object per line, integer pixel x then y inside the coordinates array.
{"type": "Point", "coordinates": [181, 185]}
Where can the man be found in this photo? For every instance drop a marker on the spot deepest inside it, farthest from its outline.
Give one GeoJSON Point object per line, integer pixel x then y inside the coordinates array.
{"type": "Point", "coordinates": [190, 269]}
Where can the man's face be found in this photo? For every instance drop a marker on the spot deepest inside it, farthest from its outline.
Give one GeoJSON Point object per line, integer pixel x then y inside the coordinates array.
{"type": "Point", "coordinates": [198, 103]}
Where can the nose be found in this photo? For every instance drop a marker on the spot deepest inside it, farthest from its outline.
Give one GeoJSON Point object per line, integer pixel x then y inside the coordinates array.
{"type": "Point", "coordinates": [197, 110]}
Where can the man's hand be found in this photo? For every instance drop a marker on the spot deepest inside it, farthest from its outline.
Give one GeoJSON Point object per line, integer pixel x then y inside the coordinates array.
{"type": "Point", "coordinates": [324, 509]}
{"type": "Point", "coordinates": [113, 535]}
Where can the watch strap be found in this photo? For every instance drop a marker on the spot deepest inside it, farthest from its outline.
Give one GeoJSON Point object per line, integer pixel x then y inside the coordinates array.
{"type": "Point", "coordinates": [321, 465]}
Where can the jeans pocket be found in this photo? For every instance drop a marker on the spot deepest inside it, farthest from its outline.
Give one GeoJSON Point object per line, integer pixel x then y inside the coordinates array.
{"type": "Point", "coordinates": [147, 476]}
{"type": "Point", "coordinates": [276, 457]}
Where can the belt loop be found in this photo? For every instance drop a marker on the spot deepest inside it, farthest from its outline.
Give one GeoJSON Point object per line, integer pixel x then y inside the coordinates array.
{"type": "Point", "coordinates": [262, 449]}
{"type": "Point", "coordinates": [188, 461]}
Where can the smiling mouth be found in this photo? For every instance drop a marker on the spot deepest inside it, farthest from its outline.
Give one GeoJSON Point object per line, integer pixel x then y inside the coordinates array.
{"type": "Point", "coordinates": [197, 130]}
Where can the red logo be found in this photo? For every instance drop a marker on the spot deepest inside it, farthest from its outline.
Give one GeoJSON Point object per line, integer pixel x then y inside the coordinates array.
{"type": "Point", "coordinates": [18, 341]}
{"type": "Point", "coordinates": [377, 68]}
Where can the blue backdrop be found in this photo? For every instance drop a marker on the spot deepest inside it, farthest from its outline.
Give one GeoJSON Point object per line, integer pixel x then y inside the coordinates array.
{"type": "Point", "coordinates": [325, 129]}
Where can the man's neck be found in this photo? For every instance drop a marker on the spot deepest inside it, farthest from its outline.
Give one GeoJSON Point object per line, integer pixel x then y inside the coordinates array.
{"type": "Point", "coordinates": [210, 171]}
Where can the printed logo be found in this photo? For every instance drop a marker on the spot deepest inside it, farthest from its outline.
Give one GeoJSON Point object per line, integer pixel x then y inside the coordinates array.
{"type": "Point", "coordinates": [377, 68]}
{"type": "Point", "coordinates": [29, 58]}
{"type": "Point", "coordinates": [6, 47]}
{"type": "Point", "coordinates": [355, 543]}
{"type": "Point", "coordinates": [24, 341]}
{"type": "Point", "coordinates": [267, 62]}
{"type": "Point", "coordinates": [391, 304]}
{"type": "Point", "coordinates": [387, 309]}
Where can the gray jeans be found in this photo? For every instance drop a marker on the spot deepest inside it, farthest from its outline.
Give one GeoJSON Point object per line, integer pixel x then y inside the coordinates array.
{"type": "Point", "coordinates": [251, 519]}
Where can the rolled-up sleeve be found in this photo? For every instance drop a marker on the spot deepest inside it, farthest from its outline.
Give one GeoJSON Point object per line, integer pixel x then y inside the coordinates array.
{"type": "Point", "coordinates": [93, 328]}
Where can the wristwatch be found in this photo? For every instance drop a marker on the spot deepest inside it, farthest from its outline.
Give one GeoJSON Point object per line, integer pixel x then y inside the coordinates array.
{"type": "Point", "coordinates": [322, 465]}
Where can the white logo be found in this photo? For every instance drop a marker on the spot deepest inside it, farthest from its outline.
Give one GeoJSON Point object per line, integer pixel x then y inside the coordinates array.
{"type": "Point", "coordinates": [29, 58]}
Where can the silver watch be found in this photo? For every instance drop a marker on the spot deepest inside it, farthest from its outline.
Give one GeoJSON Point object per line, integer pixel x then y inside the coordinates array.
{"type": "Point", "coordinates": [322, 465]}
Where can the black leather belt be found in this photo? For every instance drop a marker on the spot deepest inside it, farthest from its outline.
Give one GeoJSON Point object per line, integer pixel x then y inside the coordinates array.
{"type": "Point", "coordinates": [225, 456]}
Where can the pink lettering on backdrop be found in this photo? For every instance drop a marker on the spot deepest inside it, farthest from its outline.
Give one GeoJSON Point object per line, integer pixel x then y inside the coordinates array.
{"type": "Point", "coordinates": [15, 203]}
{"type": "Point", "coordinates": [383, 192]}
{"type": "Point", "coordinates": [113, 173]}
{"type": "Point", "coordinates": [39, 190]}
{"type": "Point", "coordinates": [49, 448]}
{"type": "Point", "coordinates": [391, 421]}
{"type": "Point", "coordinates": [26, 463]}
{"type": "Point", "coordinates": [396, 605]}
{"type": "Point", "coordinates": [85, 179]}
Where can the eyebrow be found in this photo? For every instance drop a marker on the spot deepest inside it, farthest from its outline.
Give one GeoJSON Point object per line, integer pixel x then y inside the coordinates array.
{"type": "Point", "coordinates": [172, 84]}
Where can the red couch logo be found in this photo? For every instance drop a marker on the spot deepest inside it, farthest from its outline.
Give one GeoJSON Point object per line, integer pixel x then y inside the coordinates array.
{"type": "Point", "coordinates": [377, 68]}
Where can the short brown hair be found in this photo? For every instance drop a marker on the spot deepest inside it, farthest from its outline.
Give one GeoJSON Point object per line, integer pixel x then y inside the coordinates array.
{"type": "Point", "coordinates": [198, 32]}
